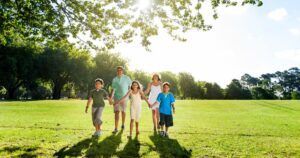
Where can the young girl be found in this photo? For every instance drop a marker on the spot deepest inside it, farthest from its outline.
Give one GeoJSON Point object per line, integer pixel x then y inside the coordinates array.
{"type": "Point", "coordinates": [136, 94]}
{"type": "Point", "coordinates": [154, 88]}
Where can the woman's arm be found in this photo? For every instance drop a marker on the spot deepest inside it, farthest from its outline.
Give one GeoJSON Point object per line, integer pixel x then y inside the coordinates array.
{"type": "Point", "coordinates": [144, 97]}
{"type": "Point", "coordinates": [123, 98]}
{"type": "Point", "coordinates": [148, 89]}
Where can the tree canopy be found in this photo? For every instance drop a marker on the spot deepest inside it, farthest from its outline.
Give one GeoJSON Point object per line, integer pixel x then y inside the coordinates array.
{"type": "Point", "coordinates": [109, 21]}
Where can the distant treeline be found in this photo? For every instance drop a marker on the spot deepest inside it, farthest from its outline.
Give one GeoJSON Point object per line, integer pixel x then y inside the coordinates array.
{"type": "Point", "coordinates": [61, 70]}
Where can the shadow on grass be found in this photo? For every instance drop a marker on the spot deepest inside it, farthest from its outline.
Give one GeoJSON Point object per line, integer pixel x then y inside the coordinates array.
{"type": "Point", "coordinates": [91, 147]}
{"type": "Point", "coordinates": [167, 147]}
{"type": "Point", "coordinates": [25, 151]}
{"type": "Point", "coordinates": [131, 149]}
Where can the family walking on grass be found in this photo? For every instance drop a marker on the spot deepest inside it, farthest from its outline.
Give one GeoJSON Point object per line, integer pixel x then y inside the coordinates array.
{"type": "Point", "coordinates": [160, 100]}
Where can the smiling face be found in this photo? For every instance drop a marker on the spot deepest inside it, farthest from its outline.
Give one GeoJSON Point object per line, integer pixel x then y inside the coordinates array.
{"type": "Point", "coordinates": [155, 78]}
{"type": "Point", "coordinates": [166, 88]}
{"type": "Point", "coordinates": [98, 85]}
{"type": "Point", "coordinates": [135, 86]}
{"type": "Point", "coordinates": [119, 72]}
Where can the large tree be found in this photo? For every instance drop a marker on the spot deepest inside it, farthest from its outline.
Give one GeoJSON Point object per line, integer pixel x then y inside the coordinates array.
{"type": "Point", "coordinates": [63, 64]}
{"type": "Point", "coordinates": [108, 21]}
{"type": "Point", "coordinates": [17, 68]}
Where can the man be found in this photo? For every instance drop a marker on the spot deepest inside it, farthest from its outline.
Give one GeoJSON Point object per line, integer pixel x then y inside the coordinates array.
{"type": "Point", "coordinates": [120, 86]}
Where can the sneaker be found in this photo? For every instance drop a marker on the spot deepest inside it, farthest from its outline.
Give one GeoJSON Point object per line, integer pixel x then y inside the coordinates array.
{"type": "Point", "coordinates": [166, 135]}
{"type": "Point", "coordinates": [122, 127]}
{"type": "Point", "coordinates": [115, 131]}
{"type": "Point", "coordinates": [162, 133]}
{"type": "Point", "coordinates": [99, 133]}
{"type": "Point", "coordinates": [95, 134]}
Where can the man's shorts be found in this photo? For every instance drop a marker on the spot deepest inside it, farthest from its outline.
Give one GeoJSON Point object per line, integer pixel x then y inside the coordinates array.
{"type": "Point", "coordinates": [121, 106]}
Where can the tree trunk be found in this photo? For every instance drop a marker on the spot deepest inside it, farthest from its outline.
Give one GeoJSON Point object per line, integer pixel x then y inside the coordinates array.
{"type": "Point", "coordinates": [57, 90]}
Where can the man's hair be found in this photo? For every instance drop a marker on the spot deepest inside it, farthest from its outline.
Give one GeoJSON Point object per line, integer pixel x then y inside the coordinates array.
{"type": "Point", "coordinates": [120, 67]}
{"type": "Point", "coordinates": [166, 83]}
{"type": "Point", "coordinates": [99, 80]}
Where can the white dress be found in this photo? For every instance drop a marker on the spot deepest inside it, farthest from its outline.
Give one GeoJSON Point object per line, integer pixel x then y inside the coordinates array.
{"type": "Point", "coordinates": [135, 106]}
{"type": "Point", "coordinates": [154, 91]}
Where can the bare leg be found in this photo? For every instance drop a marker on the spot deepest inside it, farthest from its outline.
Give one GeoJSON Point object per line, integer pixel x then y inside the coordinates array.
{"type": "Point", "coordinates": [131, 126]}
{"type": "Point", "coordinates": [154, 118]}
{"type": "Point", "coordinates": [123, 117]}
{"type": "Point", "coordinates": [157, 118]}
{"type": "Point", "coordinates": [137, 128]}
{"type": "Point", "coordinates": [116, 119]}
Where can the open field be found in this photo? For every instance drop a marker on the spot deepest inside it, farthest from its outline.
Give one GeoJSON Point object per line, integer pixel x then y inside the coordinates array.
{"type": "Point", "coordinates": [202, 128]}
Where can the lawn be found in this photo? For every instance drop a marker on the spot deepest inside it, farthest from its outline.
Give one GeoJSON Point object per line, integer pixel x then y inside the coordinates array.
{"type": "Point", "coordinates": [201, 129]}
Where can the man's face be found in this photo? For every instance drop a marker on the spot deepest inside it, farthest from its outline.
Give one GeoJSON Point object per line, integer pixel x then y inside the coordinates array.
{"type": "Point", "coordinates": [166, 88]}
{"type": "Point", "coordinates": [98, 85]}
{"type": "Point", "coordinates": [119, 72]}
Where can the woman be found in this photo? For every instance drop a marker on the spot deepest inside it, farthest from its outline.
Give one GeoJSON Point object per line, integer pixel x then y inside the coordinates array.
{"type": "Point", "coordinates": [154, 88]}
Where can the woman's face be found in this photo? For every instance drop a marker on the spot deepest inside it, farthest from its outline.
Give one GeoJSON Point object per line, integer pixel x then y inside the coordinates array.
{"type": "Point", "coordinates": [155, 78]}
{"type": "Point", "coordinates": [135, 86]}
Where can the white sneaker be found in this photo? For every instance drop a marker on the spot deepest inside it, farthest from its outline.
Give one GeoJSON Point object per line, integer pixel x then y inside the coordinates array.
{"type": "Point", "coordinates": [99, 133]}
{"type": "Point", "coordinates": [95, 133]}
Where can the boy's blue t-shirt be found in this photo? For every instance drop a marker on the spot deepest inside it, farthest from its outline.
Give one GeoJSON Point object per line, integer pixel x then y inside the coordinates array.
{"type": "Point", "coordinates": [165, 101]}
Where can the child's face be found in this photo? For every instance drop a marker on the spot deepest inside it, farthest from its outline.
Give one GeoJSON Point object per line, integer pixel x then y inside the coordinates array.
{"type": "Point", "coordinates": [135, 86]}
{"type": "Point", "coordinates": [166, 88]}
{"type": "Point", "coordinates": [98, 85]}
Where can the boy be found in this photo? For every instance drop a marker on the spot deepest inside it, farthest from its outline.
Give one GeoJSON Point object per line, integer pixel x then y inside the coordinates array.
{"type": "Point", "coordinates": [97, 95]}
{"type": "Point", "coordinates": [166, 101]}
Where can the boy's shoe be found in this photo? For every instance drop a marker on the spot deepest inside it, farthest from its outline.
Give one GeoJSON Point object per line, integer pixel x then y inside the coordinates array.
{"type": "Point", "coordinates": [166, 135]}
{"type": "Point", "coordinates": [162, 133]}
{"type": "Point", "coordinates": [115, 131]}
{"type": "Point", "coordinates": [122, 127]}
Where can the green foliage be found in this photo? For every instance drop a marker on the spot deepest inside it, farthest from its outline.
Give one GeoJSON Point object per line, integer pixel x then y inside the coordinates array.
{"type": "Point", "coordinates": [235, 91]}
{"type": "Point", "coordinates": [105, 67]}
{"type": "Point", "coordinates": [143, 77]}
{"type": "Point", "coordinates": [295, 95]}
{"type": "Point", "coordinates": [109, 22]}
{"type": "Point", "coordinates": [167, 76]}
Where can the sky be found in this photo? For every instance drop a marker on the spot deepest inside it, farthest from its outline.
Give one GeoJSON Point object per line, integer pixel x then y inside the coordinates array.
{"type": "Point", "coordinates": [253, 40]}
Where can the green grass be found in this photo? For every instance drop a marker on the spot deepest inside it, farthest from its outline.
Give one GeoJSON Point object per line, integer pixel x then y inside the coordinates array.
{"type": "Point", "coordinates": [201, 129]}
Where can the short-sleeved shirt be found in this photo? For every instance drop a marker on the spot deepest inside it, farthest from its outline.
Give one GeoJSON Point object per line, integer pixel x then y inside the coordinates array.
{"type": "Point", "coordinates": [165, 102]}
{"type": "Point", "coordinates": [98, 97]}
{"type": "Point", "coordinates": [121, 86]}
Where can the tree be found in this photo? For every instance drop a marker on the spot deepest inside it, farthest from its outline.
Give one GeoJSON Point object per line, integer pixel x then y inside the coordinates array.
{"type": "Point", "coordinates": [106, 67]}
{"type": "Point", "coordinates": [295, 95]}
{"type": "Point", "coordinates": [109, 22]}
{"type": "Point", "coordinates": [213, 91]}
{"type": "Point", "coordinates": [187, 85]}
{"type": "Point", "coordinates": [235, 91]}
{"type": "Point", "coordinates": [142, 77]}
{"type": "Point", "coordinates": [249, 81]}
{"type": "Point", "coordinates": [64, 64]}
{"type": "Point", "coordinates": [17, 68]}
{"type": "Point", "coordinates": [167, 76]}
{"type": "Point", "coordinates": [261, 93]}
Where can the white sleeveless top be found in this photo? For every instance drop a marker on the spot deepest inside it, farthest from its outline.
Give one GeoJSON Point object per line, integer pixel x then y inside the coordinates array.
{"type": "Point", "coordinates": [135, 99]}
{"type": "Point", "coordinates": [154, 91]}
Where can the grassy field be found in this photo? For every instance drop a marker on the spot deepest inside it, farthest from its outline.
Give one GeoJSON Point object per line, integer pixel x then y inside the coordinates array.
{"type": "Point", "coordinates": [202, 129]}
